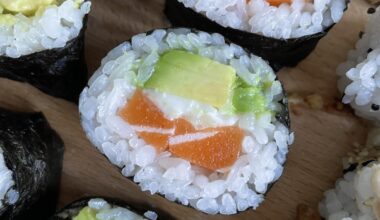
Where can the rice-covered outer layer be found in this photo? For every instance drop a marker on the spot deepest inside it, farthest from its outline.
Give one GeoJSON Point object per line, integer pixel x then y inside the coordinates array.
{"type": "Point", "coordinates": [300, 18]}
{"type": "Point", "coordinates": [356, 196]}
{"type": "Point", "coordinates": [226, 191]}
{"type": "Point", "coordinates": [360, 74]}
{"type": "Point", "coordinates": [52, 28]}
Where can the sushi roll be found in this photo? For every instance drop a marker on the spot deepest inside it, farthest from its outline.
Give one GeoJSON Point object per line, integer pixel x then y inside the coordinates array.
{"type": "Point", "coordinates": [356, 196]}
{"type": "Point", "coordinates": [101, 209]}
{"type": "Point", "coordinates": [190, 116]}
{"type": "Point", "coordinates": [283, 32]}
{"type": "Point", "coordinates": [360, 74]}
{"type": "Point", "coordinates": [31, 156]}
{"type": "Point", "coordinates": [42, 43]}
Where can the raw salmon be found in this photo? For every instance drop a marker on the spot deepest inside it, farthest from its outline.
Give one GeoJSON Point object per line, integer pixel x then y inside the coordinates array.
{"type": "Point", "coordinates": [211, 148]}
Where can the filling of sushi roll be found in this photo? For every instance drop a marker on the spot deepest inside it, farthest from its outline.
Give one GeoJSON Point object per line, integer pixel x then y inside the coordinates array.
{"type": "Point", "coordinates": [99, 209]}
{"type": "Point", "coordinates": [28, 26]}
{"type": "Point", "coordinates": [7, 194]}
{"type": "Point", "coordinates": [281, 19]}
{"type": "Point", "coordinates": [360, 74]}
{"type": "Point", "coordinates": [190, 117]}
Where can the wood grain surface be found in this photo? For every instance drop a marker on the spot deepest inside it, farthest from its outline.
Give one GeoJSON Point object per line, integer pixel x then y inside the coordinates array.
{"type": "Point", "coordinates": [323, 136]}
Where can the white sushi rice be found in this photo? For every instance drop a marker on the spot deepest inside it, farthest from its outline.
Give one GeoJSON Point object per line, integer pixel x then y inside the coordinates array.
{"type": "Point", "coordinates": [7, 194]}
{"type": "Point", "coordinates": [360, 74]}
{"type": "Point", "coordinates": [355, 197]}
{"type": "Point", "coordinates": [53, 29]}
{"type": "Point", "coordinates": [298, 19]}
{"type": "Point", "coordinates": [105, 211]}
{"type": "Point", "coordinates": [227, 191]}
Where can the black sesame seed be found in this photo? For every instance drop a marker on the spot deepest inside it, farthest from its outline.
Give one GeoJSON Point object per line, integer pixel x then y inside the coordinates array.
{"type": "Point", "coordinates": [371, 10]}
{"type": "Point", "coordinates": [361, 33]}
{"type": "Point", "coordinates": [351, 168]}
{"type": "Point", "coordinates": [375, 107]}
{"type": "Point", "coordinates": [367, 162]}
{"type": "Point", "coordinates": [369, 50]}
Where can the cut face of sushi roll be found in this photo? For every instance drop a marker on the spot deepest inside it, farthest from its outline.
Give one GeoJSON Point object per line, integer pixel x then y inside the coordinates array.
{"type": "Point", "coordinates": [281, 31]}
{"type": "Point", "coordinates": [190, 117]}
{"type": "Point", "coordinates": [31, 156]}
{"type": "Point", "coordinates": [28, 27]}
{"type": "Point", "coordinates": [280, 19]}
{"type": "Point", "coordinates": [360, 74]}
{"type": "Point", "coordinates": [101, 209]}
{"type": "Point", "coordinates": [42, 43]}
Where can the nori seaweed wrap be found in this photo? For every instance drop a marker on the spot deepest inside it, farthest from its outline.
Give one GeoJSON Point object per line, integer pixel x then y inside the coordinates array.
{"type": "Point", "coordinates": [33, 152]}
{"type": "Point", "coordinates": [91, 206]}
{"type": "Point", "coordinates": [278, 51]}
{"type": "Point", "coordinates": [49, 54]}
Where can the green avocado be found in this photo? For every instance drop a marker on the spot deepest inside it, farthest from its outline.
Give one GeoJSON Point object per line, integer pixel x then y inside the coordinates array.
{"type": "Point", "coordinates": [193, 76]}
{"type": "Point", "coordinates": [86, 214]}
{"type": "Point", "coordinates": [7, 19]}
{"type": "Point", "coordinates": [247, 98]}
{"type": "Point", "coordinates": [26, 7]}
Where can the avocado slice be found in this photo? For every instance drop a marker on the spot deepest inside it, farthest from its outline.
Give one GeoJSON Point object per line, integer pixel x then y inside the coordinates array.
{"type": "Point", "coordinates": [247, 98]}
{"type": "Point", "coordinates": [192, 76]}
{"type": "Point", "coordinates": [7, 19]}
{"type": "Point", "coordinates": [26, 7]}
{"type": "Point", "coordinates": [86, 214]}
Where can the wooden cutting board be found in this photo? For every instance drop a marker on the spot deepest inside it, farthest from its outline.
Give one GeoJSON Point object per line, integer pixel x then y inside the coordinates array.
{"type": "Point", "coordinates": [322, 136]}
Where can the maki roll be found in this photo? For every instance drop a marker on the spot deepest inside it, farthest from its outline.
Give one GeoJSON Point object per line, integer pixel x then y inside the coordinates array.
{"type": "Point", "coordinates": [281, 31]}
{"type": "Point", "coordinates": [42, 43]}
{"type": "Point", "coordinates": [360, 74]}
{"type": "Point", "coordinates": [31, 156]}
{"type": "Point", "coordinates": [356, 196]}
{"type": "Point", "coordinates": [190, 116]}
{"type": "Point", "coordinates": [101, 209]}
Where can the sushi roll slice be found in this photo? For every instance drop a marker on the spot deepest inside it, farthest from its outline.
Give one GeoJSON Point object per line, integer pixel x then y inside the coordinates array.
{"type": "Point", "coordinates": [42, 43]}
{"type": "Point", "coordinates": [190, 116]}
{"type": "Point", "coordinates": [283, 32]}
{"type": "Point", "coordinates": [360, 74]}
{"type": "Point", "coordinates": [101, 209]}
{"type": "Point", "coordinates": [31, 156]}
{"type": "Point", "coordinates": [356, 196]}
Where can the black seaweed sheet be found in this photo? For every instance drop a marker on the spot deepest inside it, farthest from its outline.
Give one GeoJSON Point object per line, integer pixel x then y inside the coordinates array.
{"type": "Point", "coordinates": [278, 52]}
{"type": "Point", "coordinates": [34, 152]}
{"type": "Point", "coordinates": [60, 72]}
{"type": "Point", "coordinates": [71, 210]}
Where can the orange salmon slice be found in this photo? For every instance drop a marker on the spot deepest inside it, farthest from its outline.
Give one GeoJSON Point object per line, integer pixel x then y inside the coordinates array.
{"type": "Point", "coordinates": [277, 2]}
{"type": "Point", "coordinates": [211, 148]}
{"type": "Point", "coordinates": [140, 111]}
